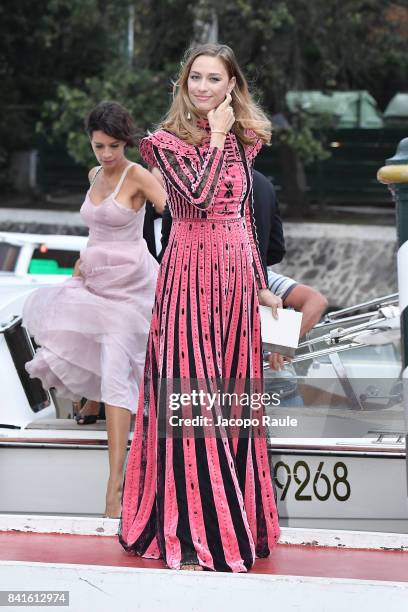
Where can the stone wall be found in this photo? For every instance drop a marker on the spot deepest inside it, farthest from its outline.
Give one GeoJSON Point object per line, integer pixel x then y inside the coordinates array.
{"type": "Point", "coordinates": [347, 263]}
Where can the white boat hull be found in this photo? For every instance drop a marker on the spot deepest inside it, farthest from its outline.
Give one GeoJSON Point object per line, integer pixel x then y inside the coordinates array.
{"type": "Point", "coordinates": [349, 484]}
{"type": "Point", "coordinates": [334, 489]}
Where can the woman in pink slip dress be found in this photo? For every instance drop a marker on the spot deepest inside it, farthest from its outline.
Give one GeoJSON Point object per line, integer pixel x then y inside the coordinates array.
{"type": "Point", "coordinates": [93, 328]}
{"type": "Point", "coordinates": [201, 496]}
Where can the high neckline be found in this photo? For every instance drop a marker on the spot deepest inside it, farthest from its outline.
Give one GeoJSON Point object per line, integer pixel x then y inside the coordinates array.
{"type": "Point", "coordinates": [202, 122]}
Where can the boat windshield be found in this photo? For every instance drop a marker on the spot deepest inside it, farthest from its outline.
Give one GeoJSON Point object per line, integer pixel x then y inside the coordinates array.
{"type": "Point", "coordinates": [349, 390]}
{"type": "Point", "coordinates": [52, 261]}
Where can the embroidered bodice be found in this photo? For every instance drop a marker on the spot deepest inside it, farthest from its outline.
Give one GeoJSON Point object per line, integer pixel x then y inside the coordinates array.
{"type": "Point", "coordinates": [207, 183]}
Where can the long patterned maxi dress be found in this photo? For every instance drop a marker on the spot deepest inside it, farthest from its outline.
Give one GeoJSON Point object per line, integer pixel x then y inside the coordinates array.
{"type": "Point", "coordinates": [205, 496]}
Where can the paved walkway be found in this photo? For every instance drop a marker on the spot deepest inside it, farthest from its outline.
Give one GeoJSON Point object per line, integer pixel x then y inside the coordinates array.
{"type": "Point", "coordinates": [287, 560]}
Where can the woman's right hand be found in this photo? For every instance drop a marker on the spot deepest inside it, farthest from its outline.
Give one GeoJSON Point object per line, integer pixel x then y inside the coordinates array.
{"type": "Point", "coordinates": [222, 118]}
{"type": "Point", "coordinates": [267, 298]}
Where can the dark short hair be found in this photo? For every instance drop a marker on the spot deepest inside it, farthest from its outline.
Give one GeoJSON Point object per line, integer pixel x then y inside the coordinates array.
{"type": "Point", "coordinates": [114, 120]}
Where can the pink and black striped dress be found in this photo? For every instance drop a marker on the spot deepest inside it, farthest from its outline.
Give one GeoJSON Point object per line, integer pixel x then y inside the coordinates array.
{"type": "Point", "coordinates": [204, 497]}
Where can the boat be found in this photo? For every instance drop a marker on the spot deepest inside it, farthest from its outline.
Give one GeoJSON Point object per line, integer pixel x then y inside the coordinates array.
{"type": "Point", "coordinates": [28, 261]}
{"type": "Point", "coordinates": [32, 256]}
{"type": "Point", "coordinates": [342, 466]}
{"type": "Point", "coordinates": [340, 484]}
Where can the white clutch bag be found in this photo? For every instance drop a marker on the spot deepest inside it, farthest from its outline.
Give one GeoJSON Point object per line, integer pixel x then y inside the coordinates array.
{"type": "Point", "coordinates": [280, 335]}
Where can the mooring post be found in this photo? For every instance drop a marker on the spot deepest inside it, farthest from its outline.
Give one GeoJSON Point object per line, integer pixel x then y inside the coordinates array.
{"type": "Point", "coordinates": [395, 175]}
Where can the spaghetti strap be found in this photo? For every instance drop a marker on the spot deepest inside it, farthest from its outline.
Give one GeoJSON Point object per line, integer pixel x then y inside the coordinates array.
{"type": "Point", "coordinates": [93, 329]}
{"type": "Point", "coordinates": [94, 176]}
{"type": "Point", "coordinates": [122, 178]}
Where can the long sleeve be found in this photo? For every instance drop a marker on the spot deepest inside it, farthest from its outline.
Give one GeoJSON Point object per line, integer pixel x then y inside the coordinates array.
{"type": "Point", "coordinates": [196, 183]}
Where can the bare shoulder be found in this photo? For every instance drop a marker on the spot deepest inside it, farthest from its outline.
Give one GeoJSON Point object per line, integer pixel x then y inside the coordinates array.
{"type": "Point", "coordinates": [138, 176]}
{"type": "Point", "coordinates": [143, 184]}
{"type": "Point", "coordinates": [137, 173]}
{"type": "Point", "coordinates": [92, 173]}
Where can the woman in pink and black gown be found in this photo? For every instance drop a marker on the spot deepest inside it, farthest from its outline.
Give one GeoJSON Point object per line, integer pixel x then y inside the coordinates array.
{"type": "Point", "coordinates": [204, 499]}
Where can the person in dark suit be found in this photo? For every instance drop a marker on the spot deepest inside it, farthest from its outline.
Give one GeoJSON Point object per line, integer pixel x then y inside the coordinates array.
{"type": "Point", "coordinates": [267, 221]}
{"type": "Point", "coordinates": [148, 229]}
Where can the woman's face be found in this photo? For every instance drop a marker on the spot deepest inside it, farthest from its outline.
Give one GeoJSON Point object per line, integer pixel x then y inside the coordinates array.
{"type": "Point", "coordinates": [108, 151]}
{"type": "Point", "coordinates": [208, 83]}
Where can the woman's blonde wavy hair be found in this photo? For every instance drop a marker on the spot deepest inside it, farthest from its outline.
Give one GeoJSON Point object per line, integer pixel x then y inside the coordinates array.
{"type": "Point", "coordinates": [182, 116]}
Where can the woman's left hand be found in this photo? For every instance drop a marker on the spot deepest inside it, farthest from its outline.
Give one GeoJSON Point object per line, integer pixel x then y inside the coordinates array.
{"type": "Point", "coordinates": [267, 298]}
{"type": "Point", "coordinates": [77, 269]}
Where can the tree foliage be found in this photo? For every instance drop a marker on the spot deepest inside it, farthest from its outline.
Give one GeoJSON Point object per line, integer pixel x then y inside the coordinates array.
{"type": "Point", "coordinates": [63, 117]}
{"type": "Point", "coordinates": [46, 43]}
{"type": "Point", "coordinates": [325, 45]}
{"type": "Point", "coordinates": [142, 82]}
{"type": "Point", "coordinates": [59, 57]}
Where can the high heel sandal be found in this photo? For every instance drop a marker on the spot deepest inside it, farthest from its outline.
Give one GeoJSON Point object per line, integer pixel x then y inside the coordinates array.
{"type": "Point", "coordinates": [83, 419]}
{"type": "Point", "coordinates": [86, 419]}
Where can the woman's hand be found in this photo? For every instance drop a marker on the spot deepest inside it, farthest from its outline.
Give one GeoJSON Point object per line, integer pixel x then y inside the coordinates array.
{"type": "Point", "coordinates": [222, 118]}
{"type": "Point", "coordinates": [77, 271]}
{"type": "Point", "coordinates": [267, 298]}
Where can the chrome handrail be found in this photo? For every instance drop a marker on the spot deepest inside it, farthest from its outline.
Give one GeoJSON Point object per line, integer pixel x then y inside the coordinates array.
{"type": "Point", "coordinates": [350, 319]}
{"type": "Point", "coordinates": [322, 352]}
{"type": "Point", "coordinates": [338, 333]}
{"type": "Point", "coordinates": [377, 302]}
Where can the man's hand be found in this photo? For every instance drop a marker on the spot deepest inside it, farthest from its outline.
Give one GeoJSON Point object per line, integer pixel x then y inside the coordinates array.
{"type": "Point", "coordinates": [276, 361]}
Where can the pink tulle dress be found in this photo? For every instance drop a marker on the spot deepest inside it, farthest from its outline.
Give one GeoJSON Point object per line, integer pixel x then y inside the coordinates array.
{"type": "Point", "coordinates": [93, 329]}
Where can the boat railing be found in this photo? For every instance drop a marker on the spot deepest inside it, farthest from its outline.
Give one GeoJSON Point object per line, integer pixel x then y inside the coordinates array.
{"type": "Point", "coordinates": [321, 353]}
{"type": "Point", "coordinates": [377, 321]}
{"type": "Point", "coordinates": [376, 303]}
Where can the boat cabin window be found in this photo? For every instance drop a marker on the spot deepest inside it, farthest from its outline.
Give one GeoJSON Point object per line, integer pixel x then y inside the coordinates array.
{"type": "Point", "coordinates": [52, 261]}
{"type": "Point", "coordinates": [8, 256]}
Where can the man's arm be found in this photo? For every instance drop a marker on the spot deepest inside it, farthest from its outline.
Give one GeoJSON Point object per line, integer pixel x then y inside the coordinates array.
{"type": "Point", "coordinates": [308, 301]}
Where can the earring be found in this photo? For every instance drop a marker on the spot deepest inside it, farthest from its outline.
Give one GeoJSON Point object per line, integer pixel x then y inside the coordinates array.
{"type": "Point", "coordinates": [188, 116]}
